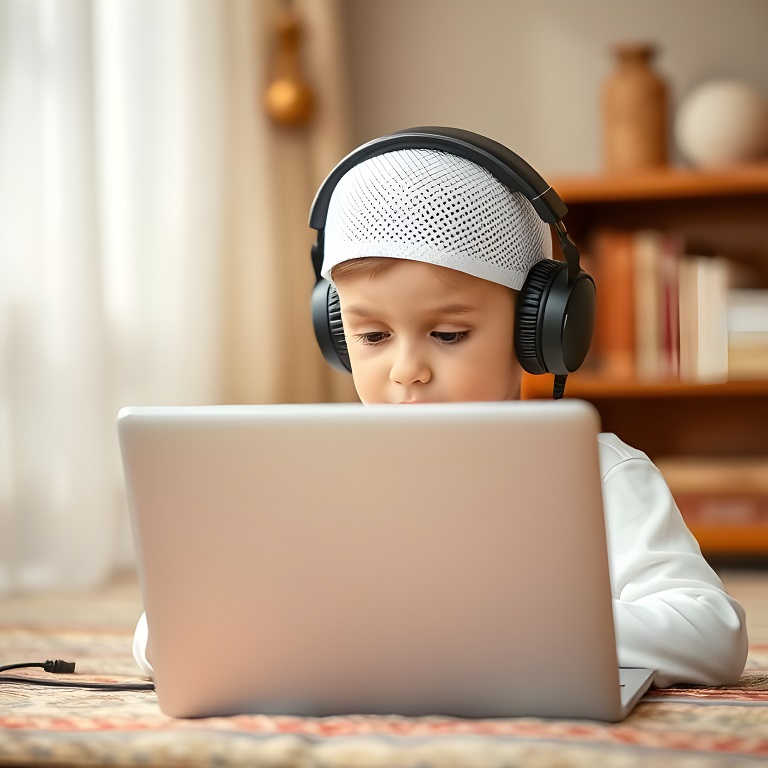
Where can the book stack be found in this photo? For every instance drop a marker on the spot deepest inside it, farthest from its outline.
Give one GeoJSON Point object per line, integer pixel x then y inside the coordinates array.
{"type": "Point", "coordinates": [724, 501]}
{"type": "Point", "coordinates": [747, 333]}
{"type": "Point", "coordinates": [665, 313]}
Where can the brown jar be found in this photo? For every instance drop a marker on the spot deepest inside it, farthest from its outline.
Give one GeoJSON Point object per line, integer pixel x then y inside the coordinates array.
{"type": "Point", "coordinates": [634, 112]}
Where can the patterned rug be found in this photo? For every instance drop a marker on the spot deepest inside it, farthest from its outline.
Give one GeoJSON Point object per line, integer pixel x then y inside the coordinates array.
{"type": "Point", "coordinates": [73, 727]}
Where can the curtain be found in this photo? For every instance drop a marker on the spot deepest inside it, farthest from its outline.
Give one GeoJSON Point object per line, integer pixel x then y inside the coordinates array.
{"type": "Point", "coordinates": [153, 248]}
{"type": "Point", "coordinates": [271, 354]}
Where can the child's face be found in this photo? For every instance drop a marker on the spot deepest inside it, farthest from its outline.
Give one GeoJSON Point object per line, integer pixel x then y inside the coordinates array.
{"type": "Point", "coordinates": [420, 333]}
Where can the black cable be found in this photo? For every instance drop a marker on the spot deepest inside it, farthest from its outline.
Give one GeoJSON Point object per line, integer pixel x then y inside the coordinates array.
{"type": "Point", "coordinates": [559, 386]}
{"type": "Point", "coordinates": [60, 667]}
{"type": "Point", "coordinates": [67, 684]}
{"type": "Point", "coordinates": [57, 667]}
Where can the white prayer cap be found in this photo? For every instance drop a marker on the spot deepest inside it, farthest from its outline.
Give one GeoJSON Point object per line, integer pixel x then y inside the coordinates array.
{"type": "Point", "coordinates": [431, 206]}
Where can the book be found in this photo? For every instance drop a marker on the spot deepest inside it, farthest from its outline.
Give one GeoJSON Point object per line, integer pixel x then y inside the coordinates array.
{"type": "Point", "coordinates": [703, 298]}
{"type": "Point", "coordinates": [647, 246]}
{"type": "Point", "coordinates": [724, 501]}
{"type": "Point", "coordinates": [669, 289]}
{"type": "Point", "coordinates": [747, 310]}
{"type": "Point", "coordinates": [657, 328]}
{"type": "Point", "coordinates": [747, 333]}
{"type": "Point", "coordinates": [748, 356]}
{"type": "Point", "coordinates": [613, 271]}
{"type": "Point", "coordinates": [710, 474]}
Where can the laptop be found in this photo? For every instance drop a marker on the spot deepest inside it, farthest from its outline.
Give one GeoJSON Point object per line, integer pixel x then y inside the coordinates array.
{"type": "Point", "coordinates": [313, 560]}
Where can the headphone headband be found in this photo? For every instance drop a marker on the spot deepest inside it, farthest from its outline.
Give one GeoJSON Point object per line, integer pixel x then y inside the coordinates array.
{"type": "Point", "coordinates": [497, 159]}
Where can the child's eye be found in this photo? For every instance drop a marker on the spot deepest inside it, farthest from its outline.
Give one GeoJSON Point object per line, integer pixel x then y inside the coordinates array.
{"type": "Point", "coordinates": [449, 337]}
{"type": "Point", "coordinates": [374, 337]}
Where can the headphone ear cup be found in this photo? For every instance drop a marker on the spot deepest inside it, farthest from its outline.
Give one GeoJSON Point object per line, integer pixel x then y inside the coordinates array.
{"type": "Point", "coordinates": [554, 319]}
{"type": "Point", "coordinates": [329, 330]}
{"type": "Point", "coordinates": [529, 314]}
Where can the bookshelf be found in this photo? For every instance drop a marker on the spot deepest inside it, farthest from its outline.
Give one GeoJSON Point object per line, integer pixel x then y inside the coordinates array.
{"type": "Point", "coordinates": [718, 428]}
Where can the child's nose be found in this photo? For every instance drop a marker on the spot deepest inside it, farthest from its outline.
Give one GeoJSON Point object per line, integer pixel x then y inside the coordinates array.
{"type": "Point", "coordinates": [410, 366]}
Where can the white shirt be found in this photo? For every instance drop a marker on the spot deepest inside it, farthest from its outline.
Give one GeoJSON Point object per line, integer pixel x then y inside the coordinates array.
{"type": "Point", "coordinates": [671, 611]}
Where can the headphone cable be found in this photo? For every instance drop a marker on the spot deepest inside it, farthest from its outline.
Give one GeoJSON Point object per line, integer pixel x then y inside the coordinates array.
{"type": "Point", "coordinates": [559, 386]}
{"type": "Point", "coordinates": [60, 667]}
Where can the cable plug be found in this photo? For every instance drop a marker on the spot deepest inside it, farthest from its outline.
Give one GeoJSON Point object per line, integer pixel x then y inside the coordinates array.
{"type": "Point", "coordinates": [59, 667]}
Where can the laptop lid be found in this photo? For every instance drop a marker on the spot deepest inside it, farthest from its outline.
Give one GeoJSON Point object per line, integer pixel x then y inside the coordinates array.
{"type": "Point", "coordinates": [326, 559]}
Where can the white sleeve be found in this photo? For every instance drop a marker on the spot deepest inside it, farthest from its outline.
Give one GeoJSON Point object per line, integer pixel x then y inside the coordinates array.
{"type": "Point", "coordinates": [140, 637]}
{"type": "Point", "coordinates": [671, 610]}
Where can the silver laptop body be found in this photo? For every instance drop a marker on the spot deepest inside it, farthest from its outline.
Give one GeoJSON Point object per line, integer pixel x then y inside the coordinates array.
{"type": "Point", "coordinates": [327, 559]}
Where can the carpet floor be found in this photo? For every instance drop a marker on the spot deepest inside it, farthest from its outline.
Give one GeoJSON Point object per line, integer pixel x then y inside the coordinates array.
{"type": "Point", "coordinates": [677, 727]}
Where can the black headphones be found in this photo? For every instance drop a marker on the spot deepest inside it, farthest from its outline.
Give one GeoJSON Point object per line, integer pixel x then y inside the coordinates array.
{"type": "Point", "coordinates": [555, 312]}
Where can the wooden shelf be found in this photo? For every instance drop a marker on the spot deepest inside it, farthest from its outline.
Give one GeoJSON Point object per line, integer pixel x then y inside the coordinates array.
{"type": "Point", "coordinates": [666, 183]}
{"type": "Point", "coordinates": [722, 213]}
{"type": "Point", "coordinates": [589, 386]}
{"type": "Point", "coordinates": [731, 540]}
{"type": "Point", "coordinates": [673, 418]}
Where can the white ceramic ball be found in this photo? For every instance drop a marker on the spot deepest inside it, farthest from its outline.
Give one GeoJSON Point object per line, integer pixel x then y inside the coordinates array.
{"type": "Point", "coordinates": [722, 122]}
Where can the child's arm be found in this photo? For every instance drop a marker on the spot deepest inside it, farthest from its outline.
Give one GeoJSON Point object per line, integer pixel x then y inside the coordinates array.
{"type": "Point", "coordinates": [670, 608]}
{"type": "Point", "coordinates": [140, 637]}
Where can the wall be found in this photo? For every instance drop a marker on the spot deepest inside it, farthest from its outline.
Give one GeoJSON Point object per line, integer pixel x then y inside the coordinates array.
{"type": "Point", "coordinates": [529, 74]}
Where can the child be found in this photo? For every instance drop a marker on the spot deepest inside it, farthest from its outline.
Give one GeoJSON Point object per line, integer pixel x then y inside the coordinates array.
{"type": "Point", "coordinates": [428, 251]}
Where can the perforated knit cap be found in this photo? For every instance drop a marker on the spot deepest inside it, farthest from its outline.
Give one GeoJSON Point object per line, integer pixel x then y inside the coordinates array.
{"type": "Point", "coordinates": [431, 206]}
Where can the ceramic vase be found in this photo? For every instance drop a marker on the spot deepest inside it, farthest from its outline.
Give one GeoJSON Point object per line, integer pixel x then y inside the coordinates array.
{"type": "Point", "coordinates": [634, 112]}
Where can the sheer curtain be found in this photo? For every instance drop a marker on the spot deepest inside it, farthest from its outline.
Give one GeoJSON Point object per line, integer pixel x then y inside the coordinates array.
{"type": "Point", "coordinates": [153, 248]}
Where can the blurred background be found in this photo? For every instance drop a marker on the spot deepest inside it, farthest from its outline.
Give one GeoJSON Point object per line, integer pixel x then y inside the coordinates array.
{"type": "Point", "coordinates": [157, 164]}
